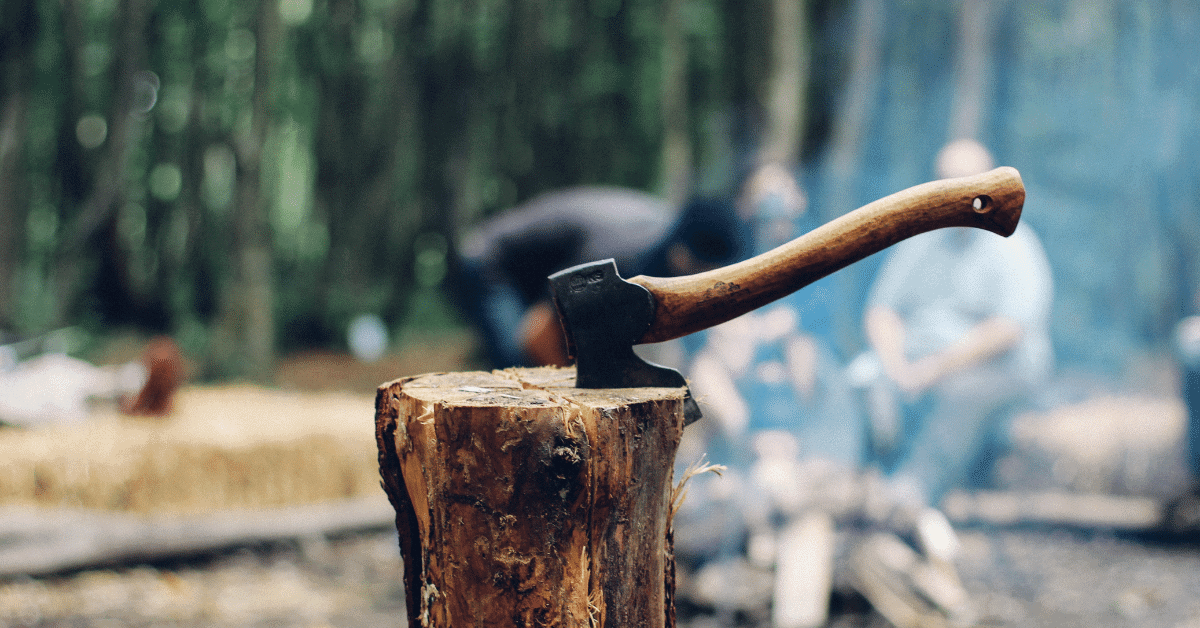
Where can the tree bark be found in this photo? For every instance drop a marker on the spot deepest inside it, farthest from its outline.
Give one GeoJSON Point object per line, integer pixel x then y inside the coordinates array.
{"type": "Point", "coordinates": [522, 501]}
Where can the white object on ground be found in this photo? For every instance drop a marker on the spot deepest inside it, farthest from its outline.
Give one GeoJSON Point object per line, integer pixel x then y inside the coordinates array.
{"type": "Point", "coordinates": [804, 572]}
{"type": "Point", "coordinates": [367, 337]}
{"type": "Point", "coordinates": [56, 388]}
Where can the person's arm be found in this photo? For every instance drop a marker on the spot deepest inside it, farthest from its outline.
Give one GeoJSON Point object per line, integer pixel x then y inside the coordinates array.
{"type": "Point", "coordinates": [802, 364]}
{"type": "Point", "coordinates": [983, 342]}
{"type": "Point", "coordinates": [714, 386]}
{"type": "Point", "coordinates": [886, 332]}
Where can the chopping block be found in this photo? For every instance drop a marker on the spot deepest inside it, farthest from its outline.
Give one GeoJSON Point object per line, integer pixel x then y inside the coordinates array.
{"type": "Point", "coordinates": [523, 501]}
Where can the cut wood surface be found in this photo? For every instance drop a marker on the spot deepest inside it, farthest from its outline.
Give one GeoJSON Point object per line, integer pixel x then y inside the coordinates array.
{"type": "Point", "coordinates": [522, 501]}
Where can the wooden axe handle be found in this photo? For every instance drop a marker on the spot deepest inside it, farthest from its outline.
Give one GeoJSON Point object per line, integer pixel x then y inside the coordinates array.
{"type": "Point", "coordinates": [683, 305]}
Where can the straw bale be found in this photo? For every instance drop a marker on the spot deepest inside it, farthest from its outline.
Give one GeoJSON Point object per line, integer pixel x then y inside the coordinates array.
{"type": "Point", "coordinates": [223, 447]}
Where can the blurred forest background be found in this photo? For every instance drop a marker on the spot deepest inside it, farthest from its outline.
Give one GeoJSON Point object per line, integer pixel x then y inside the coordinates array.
{"type": "Point", "coordinates": [250, 176]}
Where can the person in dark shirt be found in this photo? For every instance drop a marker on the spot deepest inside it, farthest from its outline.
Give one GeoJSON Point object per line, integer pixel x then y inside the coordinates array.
{"type": "Point", "coordinates": [500, 281]}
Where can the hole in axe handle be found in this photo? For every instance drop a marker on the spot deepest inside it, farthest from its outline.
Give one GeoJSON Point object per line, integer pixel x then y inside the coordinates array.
{"type": "Point", "coordinates": [982, 203]}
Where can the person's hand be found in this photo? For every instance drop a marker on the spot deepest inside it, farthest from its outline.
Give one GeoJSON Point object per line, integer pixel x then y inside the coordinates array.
{"type": "Point", "coordinates": [914, 378]}
{"type": "Point", "coordinates": [885, 331]}
{"type": "Point", "coordinates": [985, 341]}
{"type": "Point", "coordinates": [542, 337]}
{"type": "Point", "coordinates": [802, 365]}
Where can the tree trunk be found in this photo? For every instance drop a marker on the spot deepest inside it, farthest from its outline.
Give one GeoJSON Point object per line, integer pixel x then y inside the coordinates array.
{"type": "Point", "coordinates": [973, 70]}
{"type": "Point", "coordinates": [248, 324]}
{"type": "Point", "coordinates": [12, 191]}
{"type": "Point", "coordinates": [521, 501]}
{"type": "Point", "coordinates": [677, 148]}
{"type": "Point", "coordinates": [788, 82]}
{"type": "Point", "coordinates": [855, 107]}
{"type": "Point", "coordinates": [15, 61]}
{"type": "Point", "coordinates": [98, 216]}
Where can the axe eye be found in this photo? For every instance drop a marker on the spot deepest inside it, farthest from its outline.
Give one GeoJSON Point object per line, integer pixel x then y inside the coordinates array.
{"type": "Point", "coordinates": [982, 203]}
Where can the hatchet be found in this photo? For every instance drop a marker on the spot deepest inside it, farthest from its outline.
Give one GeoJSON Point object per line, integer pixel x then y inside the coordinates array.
{"type": "Point", "coordinates": [604, 315]}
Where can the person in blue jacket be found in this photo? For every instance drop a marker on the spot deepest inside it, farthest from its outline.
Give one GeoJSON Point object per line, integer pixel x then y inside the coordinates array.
{"type": "Point", "coordinates": [776, 368]}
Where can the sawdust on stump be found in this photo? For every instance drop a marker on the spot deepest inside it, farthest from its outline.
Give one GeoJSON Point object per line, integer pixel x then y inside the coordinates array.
{"type": "Point", "coordinates": [522, 501]}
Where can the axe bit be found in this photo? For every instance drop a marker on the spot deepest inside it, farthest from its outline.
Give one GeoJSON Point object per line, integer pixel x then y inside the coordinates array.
{"type": "Point", "coordinates": [604, 315]}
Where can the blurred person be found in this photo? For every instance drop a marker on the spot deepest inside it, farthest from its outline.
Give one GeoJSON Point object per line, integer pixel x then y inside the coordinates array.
{"type": "Point", "coordinates": [957, 323]}
{"type": "Point", "coordinates": [53, 387]}
{"type": "Point", "coordinates": [776, 368]}
{"type": "Point", "coordinates": [500, 283]}
{"type": "Point", "coordinates": [782, 418]}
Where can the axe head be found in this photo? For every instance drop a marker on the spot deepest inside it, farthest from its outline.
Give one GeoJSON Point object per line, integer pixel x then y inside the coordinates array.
{"type": "Point", "coordinates": [603, 316]}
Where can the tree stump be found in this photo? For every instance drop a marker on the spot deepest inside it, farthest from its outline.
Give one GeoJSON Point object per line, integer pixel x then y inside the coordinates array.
{"type": "Point", "coordinates": [521, 501]}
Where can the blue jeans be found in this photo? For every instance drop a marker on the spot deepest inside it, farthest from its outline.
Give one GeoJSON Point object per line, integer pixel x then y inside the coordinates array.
{"type": "Point", "coordinates": [951, 435]}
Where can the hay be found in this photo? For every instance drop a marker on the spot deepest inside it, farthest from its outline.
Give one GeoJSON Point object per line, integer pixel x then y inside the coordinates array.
{"type": "Point", "coordinates": [223, 448]}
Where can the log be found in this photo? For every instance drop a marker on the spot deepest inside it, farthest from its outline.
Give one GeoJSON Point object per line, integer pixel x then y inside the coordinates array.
{"type": "Point", "coordinates": [1056, 508]}
{"type": "Point", "coordinates": [521, 501]}
{"type": "Point", "coordinates": [45, 541]}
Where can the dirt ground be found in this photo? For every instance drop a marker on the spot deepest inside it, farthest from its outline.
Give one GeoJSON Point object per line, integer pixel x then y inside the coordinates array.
{"type": "Point", "coordinates": [348, 582]}
{"type": "Point", "coordinates": [1027, 576]}
{"type": "Point", "coordinates": [1020, 578]}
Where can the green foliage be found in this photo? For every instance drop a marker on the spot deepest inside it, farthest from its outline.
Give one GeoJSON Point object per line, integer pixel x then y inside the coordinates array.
{"type": "Point", "coordinates": [392, 126]}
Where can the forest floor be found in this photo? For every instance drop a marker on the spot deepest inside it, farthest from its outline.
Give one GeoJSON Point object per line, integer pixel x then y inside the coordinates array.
{"type": "Point", "coordinates": [1018, 575]}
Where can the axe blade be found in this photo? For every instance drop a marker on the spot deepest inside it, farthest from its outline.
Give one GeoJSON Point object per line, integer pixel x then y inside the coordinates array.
{"type": "Point", "coordinates": [603, 316]}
